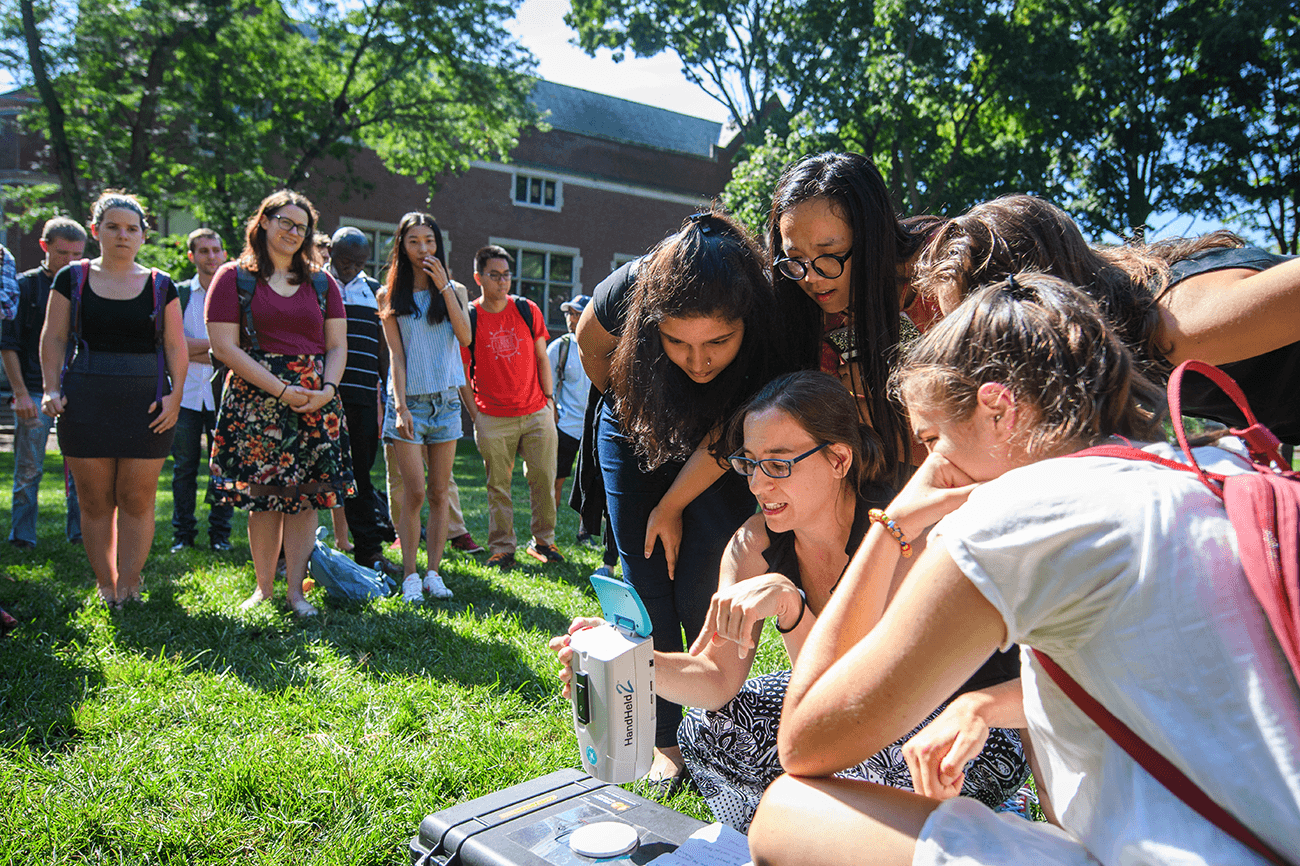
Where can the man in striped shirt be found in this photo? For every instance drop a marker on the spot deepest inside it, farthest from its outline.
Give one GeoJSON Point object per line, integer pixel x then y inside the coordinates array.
{"type": "Point", "coordinates": [359, 389]}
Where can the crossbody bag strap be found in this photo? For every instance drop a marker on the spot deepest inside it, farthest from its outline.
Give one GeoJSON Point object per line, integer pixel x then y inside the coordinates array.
{"type": "Point", "coordinates": [156, 278]}
{"type": "Point", "coordinates": [79, 275]}
{"type": "Point", "coordinates": [1155, 763]}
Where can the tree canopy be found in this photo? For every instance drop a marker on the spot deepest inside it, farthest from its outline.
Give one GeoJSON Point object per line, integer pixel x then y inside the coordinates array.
{"type": "Point", "coordinates": [1117, 110]}
{"type": "Point", "coordinates": [210, 104]}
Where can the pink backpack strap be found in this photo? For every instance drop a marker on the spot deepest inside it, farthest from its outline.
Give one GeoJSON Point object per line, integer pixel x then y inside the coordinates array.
{"type": "Point", "coordinates": [1157, 764]}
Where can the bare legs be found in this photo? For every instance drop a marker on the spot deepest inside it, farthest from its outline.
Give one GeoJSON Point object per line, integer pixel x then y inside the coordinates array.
{"type": "Point", "coordinates": [410, 466]}
{"type": "Point", "coordinates": [267, 532]}
{"type": "Point", "coordinates": [118, 520]}
{"type": "Point", "coordinates": [806, 821]}
{"type": "Point", "coordinates": [441, 458]}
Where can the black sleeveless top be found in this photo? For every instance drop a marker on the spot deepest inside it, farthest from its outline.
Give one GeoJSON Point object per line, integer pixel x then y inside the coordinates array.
{"type": "Point", "coordinates": [780, 557]}
{"type": "Point", "coordinates": [1271, 381]}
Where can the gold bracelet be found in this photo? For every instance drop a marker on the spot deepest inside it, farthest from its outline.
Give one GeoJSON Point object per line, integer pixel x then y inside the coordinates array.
{"type": "Point", "coordinates": [878, 516]}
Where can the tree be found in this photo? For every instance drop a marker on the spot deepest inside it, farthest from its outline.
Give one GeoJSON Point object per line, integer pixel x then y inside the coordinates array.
{"type": "Point", "coordinates": [207, 105]}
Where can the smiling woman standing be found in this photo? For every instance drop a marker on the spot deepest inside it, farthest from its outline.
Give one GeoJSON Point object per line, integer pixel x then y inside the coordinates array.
{"type": "Point", "coordinates": [677, 341]}
{"type": "Point", "coordinates": [115, 421]}
{"type": "Point", "coordinates": [280, 444]}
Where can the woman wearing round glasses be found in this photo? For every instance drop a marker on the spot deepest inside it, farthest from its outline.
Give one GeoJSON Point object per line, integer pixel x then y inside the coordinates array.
{"type": "Point", "coordinates": [677, 341]}
{"type": "Point", "coordinates": [841, 260]}
{"type": "Point", "coordinates": [816, 480]}
{"type": "Point", "coordinates": [280, 445]}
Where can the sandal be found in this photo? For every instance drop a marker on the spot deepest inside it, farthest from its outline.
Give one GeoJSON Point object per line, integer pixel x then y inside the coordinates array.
{"type": "Point", "coordinates": [302, 608]}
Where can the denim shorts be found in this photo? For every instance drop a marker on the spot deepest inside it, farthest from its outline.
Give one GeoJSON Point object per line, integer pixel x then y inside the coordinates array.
{"type": "Point", "coordinates": [434, 417]}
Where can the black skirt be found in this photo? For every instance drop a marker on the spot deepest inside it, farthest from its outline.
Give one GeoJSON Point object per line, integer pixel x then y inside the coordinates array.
{"type": "Point", "coordinates": [107, 415]}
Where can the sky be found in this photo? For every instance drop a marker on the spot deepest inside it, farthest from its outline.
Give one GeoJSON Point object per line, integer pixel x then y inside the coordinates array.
{"type": "Point", "coordinates": [657, 81]}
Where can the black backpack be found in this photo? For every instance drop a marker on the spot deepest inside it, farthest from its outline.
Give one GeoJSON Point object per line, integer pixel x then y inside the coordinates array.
{"type": "Point", "coordinates": [246, 285]}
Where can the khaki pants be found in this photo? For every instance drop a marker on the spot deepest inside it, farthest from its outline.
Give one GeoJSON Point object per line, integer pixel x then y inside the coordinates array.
{"type": "Point", "coordinates": [455, 517]}
{"type": "Point", "coordinates": [534, 438]}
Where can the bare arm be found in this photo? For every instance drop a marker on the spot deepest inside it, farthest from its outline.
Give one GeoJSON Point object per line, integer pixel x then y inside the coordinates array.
{"type": "Point", "coordinates": [23, 405]}
{"type": "Point", "coordinates": [665, 521]}
{"type": "Point", "coordinates": [336, 360]}
{"type": "Point", "coordinates": [1231, 315]}
{"type": "Point", "coordinates": [178, 362]}
{"type": "Point", "coordinates": [457, 311]}
{"type": "Point", "coordinates": [54, 342]}
{"type": "Point", "coordinates": [224, 337]}
{"type": "Point", "coordinates": [397, 374]}
{"type": "Point", "coordinates": [595, 348]}
{"type": "Point", "coordinates": [197, 349]}
{"type": "Point", "coordinates": [545, 377]}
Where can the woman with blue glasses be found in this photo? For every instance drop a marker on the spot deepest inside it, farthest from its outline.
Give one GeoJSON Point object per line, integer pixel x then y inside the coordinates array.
{"type": "Point", "coordinates": [816, 480]}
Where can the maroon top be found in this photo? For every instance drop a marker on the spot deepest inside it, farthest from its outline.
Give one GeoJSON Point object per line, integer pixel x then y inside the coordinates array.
{"type": "Point", "coordinates": [285, 326]}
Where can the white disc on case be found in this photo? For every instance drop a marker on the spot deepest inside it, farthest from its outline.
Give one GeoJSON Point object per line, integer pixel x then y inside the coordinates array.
{"type": "Point", "coordinates": [603, 839]}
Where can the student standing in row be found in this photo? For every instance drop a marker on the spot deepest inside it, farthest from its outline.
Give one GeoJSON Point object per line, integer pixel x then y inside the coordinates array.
{"type": "Point", "coordinates": [115, 406]}
{"type": "Point", "coordinates": [62, 241]}
{"type": "Point", "coordinates": [199, 402]}
{"type": "Point", "coordinates": [513, 407]}
{"type": "Point", "coordinates": [425, 326]}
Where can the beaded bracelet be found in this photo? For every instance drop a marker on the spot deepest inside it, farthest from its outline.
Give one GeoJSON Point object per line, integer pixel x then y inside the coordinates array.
{"type": "Point", "coordinates": [802, 607]}
{"type": "Point", "coordinates": [878, 516]}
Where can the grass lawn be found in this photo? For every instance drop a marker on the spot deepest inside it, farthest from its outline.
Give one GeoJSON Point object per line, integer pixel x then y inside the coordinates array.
{"type": "Point", "coordinates": [187, 731]}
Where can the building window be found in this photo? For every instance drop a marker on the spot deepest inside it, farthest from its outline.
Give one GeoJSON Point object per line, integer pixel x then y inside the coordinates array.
{"type": "Point", "coordinates": [545, 274]}
{"type": "Point", "coordinates": [537, 191]}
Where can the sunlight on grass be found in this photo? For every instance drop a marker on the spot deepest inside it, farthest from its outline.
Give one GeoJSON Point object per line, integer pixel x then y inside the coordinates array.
{"type": "Point", "coordinates": [187, 731]}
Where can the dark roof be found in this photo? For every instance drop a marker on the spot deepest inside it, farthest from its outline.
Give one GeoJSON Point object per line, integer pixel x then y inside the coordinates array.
{"type": "Point", "coordinates": [594, 114]}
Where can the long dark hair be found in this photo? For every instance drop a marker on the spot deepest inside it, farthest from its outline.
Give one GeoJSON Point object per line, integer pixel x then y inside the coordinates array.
{"type": "Point", "coordinates": [822, 406]}
{"type": "Point", "coordinates": [997, 238]}
{"type": "Point", "coordinates": [1045, 340]}
{"type": "Point", "coordinates": [399, 298]}
{"type": "Point", "coordinates": [257, 258]}
{"type": "Point", "coordinates": [713, 268]}
{"type": "Point", "coordinates": [853, 187]}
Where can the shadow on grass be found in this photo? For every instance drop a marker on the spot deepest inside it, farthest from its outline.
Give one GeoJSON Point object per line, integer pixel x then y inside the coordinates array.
{"type": "Point", "coordinates": [46, 667]}
{"type": "Point", "coordinates": [267, 649]}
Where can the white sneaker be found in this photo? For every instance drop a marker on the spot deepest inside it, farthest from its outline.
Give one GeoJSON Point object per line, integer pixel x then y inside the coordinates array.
{"type": "Point", "coordinates": [434, 586]}
{"type": "Point", "coordinates": [411, 589]}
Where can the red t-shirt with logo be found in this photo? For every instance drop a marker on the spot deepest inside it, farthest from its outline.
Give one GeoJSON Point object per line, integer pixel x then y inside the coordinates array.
{"type": "Point", "coordinates": [505, 360]}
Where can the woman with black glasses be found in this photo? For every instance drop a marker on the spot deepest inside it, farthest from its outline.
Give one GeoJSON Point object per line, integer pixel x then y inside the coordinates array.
{"type": "Point", "coordinates": [841, 271]}
{"type": "Point", "coordinates": [816, 480]}
{"type": "Point", "coordinates": [280, 449]}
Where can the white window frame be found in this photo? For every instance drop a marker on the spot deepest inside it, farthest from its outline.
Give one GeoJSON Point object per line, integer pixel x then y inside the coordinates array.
{"type": "Point", "coordinates": [517, 247]}
{"type": "Point", "coordinates": [621, 259]}
{"type": "Point", "coordinates": [543, 176]}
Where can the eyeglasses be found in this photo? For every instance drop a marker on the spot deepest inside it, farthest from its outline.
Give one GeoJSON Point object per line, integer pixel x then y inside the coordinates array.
{"type": "Point", "coordinates": [498, 277]}
{"type": "Point", "coordinates": [796, 269]}
{"type": "Point", "coordinates": [289, 226]}
{"type": "Point", "coordinates": [773, 467]}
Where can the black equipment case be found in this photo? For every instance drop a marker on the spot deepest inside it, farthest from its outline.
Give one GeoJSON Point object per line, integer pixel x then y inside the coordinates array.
{"type": "Point", "coordinates": [529, 825]}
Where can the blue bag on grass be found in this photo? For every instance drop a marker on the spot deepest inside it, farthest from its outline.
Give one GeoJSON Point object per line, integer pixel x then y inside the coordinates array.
{"type": "Point", "coordinates": [341, 576]}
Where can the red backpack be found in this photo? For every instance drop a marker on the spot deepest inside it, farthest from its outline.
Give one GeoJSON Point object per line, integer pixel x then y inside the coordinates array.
{"type": "Point", "coordinates": [1264, 508]}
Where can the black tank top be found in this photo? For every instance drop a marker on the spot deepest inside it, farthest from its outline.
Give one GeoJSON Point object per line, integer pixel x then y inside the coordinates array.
{"type": "Point", "coordinates": [1271, 381]}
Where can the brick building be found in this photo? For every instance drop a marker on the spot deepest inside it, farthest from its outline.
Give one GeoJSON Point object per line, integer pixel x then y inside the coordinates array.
{"type": "Point", "coordinates": [608, 180]}
{"type": "Point", "coordinates": [603, 184]}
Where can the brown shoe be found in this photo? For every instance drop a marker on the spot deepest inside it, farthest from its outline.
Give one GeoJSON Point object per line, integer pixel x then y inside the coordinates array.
{"type": "Point", "coordinates": [501, 560]}
{"type": "Point", "coordinates": [465, 544]}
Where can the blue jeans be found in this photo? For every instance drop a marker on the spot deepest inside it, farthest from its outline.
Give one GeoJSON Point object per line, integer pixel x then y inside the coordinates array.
{"type": "Point", "coordinates": [707, 525]}
{"type": "Point", "coordinates": [191, 424]}
{"type": "Point", "coordinates": [29, 465]}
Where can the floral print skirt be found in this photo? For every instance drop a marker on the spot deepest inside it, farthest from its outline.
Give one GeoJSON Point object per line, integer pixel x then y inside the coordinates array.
{"type": "Point", "coordinates": [732, 755]}
{"type": "Point", "coordinates": [267, 457]}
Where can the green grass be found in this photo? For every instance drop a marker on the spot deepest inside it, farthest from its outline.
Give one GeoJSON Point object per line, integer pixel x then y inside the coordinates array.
{"type": "Point", "coordinates": [187, 731]}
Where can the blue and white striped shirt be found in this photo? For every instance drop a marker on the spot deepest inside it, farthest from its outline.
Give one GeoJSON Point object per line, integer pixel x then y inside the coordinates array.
{"type": "Point", "coordinates": [433, 361]}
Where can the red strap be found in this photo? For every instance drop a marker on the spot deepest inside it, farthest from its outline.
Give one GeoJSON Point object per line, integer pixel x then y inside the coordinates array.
{"type": "Point", "coordinates": [1260, 441]}
{"type": "Point", "coordinates": [1156, 764]}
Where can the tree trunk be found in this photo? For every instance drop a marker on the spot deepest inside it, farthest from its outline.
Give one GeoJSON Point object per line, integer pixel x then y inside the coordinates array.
{"type": "Point", "coordinates": [64, 163]}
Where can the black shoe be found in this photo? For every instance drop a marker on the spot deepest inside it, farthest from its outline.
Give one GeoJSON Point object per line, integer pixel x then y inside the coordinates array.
{"type": "Point", "coordinates": [182, 545]}
{"type": "Point", "coordinates": [221, 545]}
{"type": "Point", "coordinates": [22, 545]}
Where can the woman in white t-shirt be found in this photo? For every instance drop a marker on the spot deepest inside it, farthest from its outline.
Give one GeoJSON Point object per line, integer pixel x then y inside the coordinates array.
{"type": "Point", "coordinates": [1124, 572]}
